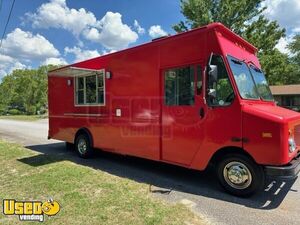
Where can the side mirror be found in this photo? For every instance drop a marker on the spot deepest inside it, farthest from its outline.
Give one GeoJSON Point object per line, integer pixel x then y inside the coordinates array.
{"type": "Point", "coordinates": [213, 72]}
{"type": "Point", "coordinates": [212, 93]}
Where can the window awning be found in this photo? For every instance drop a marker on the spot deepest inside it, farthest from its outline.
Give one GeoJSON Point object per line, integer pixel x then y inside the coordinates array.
{"type": "Point", "coordinates": [73, 72]}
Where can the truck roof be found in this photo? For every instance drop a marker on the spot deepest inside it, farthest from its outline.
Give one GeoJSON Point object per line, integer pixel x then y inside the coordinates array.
{"type": "Point", "coordinates": [219, 27]}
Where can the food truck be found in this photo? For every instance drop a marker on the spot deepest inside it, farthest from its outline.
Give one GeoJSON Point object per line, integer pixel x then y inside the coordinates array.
{"type": "Point", "coordinates": [192, 99]}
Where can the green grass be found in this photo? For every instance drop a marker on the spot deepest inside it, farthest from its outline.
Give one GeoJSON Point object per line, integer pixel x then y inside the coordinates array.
{"type": "Point", "coordinates": [24, 117]}
{"type": "Point", "coordinates": [86, 195]}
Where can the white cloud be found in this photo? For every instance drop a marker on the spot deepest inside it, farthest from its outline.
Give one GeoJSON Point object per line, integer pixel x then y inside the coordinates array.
{"type": "Point", "coordinates": [138, 27]}
{"type": "Point", "coordinates": [283, 44]}
{"type": "Point", "coordinates": [5, 63]}
{"type": "Point", "coordinates": [54, 61]}
{"type": "Point", "coordinates": [21, 47]}
{"type": "Point", "coordinates": [5, 59]}
{"type": "Point", "coordinates": [286, 12]}
{"type": "Point", "coordinates": [105, 52]}
{"type": "Point", "coordinates": [156, 31]}
{"type": "Point", "coordinates": [111, 32]}
{"type": "Point", "coordinates": [9, 64]}
{"type": "Point", "coordinates": [80, 54]}
{"type": "Point", "coordinates": [24, 45]}
{"type": "Point", "coordinates": [17, 66]}
{"type": "Point", "coordinates": [57, 14]}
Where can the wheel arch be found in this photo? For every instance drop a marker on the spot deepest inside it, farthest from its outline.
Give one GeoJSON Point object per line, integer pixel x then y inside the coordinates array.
{"type": "Point", "coordinates": [229, 150]}
{"type": "Point", "coordinates": [86, 131]}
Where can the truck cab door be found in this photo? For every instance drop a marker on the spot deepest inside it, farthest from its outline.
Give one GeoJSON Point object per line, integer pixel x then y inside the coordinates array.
{"type": "Point", "coordinates": [183, 113]}
{"type": "Point", "coordinates": [223, 123]}
{"type": "Point", "coordinates": [198, 120]}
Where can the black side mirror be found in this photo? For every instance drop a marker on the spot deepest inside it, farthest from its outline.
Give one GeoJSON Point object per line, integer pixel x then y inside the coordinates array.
{"type": "Point", "coordinates": [213, 72]}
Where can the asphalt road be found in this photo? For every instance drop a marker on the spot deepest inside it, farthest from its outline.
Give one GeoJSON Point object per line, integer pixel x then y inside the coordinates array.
{"type": "Point", "coordinates": [278, 204]}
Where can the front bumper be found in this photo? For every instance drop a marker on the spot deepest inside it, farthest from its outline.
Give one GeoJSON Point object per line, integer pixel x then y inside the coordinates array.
{"type": "Point", "coordinates": [288, 171]}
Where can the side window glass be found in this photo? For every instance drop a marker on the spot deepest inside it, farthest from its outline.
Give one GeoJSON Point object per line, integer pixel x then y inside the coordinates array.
{"type": "Point", "coordinates": [90, 90]}
{"type": "Point", "coordinates": [220, 91]}
{"type": "Point", "coordinates": [80, 90]}
{"type": "Point", "coordinates": [199, 80]}
{"type": "Point", "coordinates": [100, 89]}
{"type": "Point", "coordinates": [180, 86]}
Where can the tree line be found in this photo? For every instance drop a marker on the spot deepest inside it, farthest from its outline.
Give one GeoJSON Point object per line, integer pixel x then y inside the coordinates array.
{"type": "Point", "coordinates": [25, 91]}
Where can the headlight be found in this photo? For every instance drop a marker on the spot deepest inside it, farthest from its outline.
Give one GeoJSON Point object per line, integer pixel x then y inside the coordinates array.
{"type": "Point", "coordinates": [292, 145]}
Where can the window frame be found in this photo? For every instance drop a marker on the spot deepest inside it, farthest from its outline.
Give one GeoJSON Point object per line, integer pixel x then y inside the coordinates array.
{"type": "Point", "coordinates": [248, 99]}
{"type": "Point", "coordinates": [91, 73]}
{"type": "Point", "coordinates": [192, 65]}
{"type": "Point", "coordinates": [226, 65]}
{"type": "Point", "coordinates": [255, 67]}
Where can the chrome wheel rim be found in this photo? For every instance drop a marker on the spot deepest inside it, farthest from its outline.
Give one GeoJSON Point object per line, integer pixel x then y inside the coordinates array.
{"type": "Point", "coordinates": [237, 175]}
{"type": "Point", "coordinates": [82, 146]}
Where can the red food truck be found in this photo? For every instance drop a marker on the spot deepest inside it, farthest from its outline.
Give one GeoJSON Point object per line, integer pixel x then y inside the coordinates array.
{"type": "Point", "coordinates": [191, 99]}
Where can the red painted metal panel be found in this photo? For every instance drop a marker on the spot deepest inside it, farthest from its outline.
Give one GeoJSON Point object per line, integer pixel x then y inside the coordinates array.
{"type": "Point", "coordinates": [151, 130]}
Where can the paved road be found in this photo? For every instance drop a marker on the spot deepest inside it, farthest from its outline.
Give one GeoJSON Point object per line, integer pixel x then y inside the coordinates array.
{"type": "Point", "coordinates": [278, 204]}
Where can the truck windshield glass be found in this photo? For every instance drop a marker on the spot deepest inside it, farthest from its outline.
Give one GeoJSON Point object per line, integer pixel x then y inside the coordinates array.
{"type": "Point", "coordinates": [243, 78]}
{"type": "Point", "coordinates": [261, 84]}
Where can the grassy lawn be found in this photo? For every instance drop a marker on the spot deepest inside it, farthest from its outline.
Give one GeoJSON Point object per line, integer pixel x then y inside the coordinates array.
{"type": "Point", "coordinates": [86, 195]}
{"type": "Point", "coordinates": [24, 117]}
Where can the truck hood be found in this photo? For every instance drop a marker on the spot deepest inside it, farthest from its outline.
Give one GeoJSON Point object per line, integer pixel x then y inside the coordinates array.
{"type": "Point", "coordinates": [271, 112]}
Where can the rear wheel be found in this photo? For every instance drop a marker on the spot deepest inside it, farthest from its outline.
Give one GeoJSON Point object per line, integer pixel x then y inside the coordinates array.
{"type": "Point", "coordinates": [239, 175]}
{"type": "Point", "coordinates": [83, 146]}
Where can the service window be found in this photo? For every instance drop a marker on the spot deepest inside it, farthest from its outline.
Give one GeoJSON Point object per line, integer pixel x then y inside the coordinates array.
{"type": "Point", "coordinates": [180, 86]}
{"type": "Point", "coordinates": [90, 89]}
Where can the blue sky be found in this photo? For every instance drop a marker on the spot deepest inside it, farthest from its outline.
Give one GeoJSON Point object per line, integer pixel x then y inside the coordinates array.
{"type": "Point", "coordinates": [66, 31]}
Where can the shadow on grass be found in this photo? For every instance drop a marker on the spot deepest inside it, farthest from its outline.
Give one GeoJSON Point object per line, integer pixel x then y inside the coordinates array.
{"type": "Point", "coordinates": [162, 178]}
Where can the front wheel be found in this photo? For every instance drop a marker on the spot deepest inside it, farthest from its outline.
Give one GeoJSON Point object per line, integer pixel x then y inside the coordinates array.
{"type": "Point", "coordinates": [239, 175]}
{"type": "Point", "coordinates": [83, 146]}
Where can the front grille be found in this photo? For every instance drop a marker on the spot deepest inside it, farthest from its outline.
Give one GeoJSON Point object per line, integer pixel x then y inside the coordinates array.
{"type": "Point", "coordinates": [297, 135]}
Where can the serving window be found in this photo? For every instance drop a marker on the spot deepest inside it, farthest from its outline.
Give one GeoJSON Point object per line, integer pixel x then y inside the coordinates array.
{"type": "Point", "coordinates": [89, 89]}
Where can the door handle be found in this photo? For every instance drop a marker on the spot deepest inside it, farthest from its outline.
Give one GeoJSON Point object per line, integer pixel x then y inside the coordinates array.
{"type": "Point", "coordinates": [201, 112]}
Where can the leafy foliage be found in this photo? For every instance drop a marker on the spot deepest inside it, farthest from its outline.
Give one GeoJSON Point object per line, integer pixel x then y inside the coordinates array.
{"type": "Point", "coordinates": [294, 47]}
{"type": "Point", "coordinates": [228, 12]}
{"type": "Point", "coordinates": [279, 69]}
{"type": "Point", "coordinates": [245, 18]}
{"type": "Point", "coordinates": [24, 91]}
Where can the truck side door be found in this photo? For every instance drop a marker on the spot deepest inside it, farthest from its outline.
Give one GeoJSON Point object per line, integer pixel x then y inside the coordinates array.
{"type": "Point", "coordinates": [183, 113]}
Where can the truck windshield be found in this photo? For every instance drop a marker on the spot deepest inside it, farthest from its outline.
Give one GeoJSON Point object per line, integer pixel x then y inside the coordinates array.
{"type": "Point", "coordinates": [261, 84]}
{"type": "Point", "coordinates": [243, 78]}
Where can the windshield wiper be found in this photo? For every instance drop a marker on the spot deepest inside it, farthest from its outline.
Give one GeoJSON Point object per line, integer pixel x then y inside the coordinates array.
{"type": "Point", "coordinates": [256, 69]}
{"type": "Point", "coordinates": [237, 61]}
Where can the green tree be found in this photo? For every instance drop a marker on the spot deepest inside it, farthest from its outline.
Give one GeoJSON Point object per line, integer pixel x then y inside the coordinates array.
{"type": "Point", "coordinates": [244, 17]}
{"type": "Point", "coordinates": [294, 47]}
{"type": "Point", "coordinates": [279, 68]}
{"type": "Point", "coordinates": [25, 90]}
{"type": "Point", "coordinates": [232, 13]}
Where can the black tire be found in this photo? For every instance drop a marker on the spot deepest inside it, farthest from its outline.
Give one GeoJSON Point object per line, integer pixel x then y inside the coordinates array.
{"type": "Point", "coordinates": [83, 146]}
{"type": "Point", "coordinates": [70, 146]}
{"type": "Point", "coordinates": [229, 171]}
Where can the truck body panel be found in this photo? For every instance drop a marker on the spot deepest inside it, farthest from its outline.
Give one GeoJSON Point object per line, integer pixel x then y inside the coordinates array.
{"type": "Point", "coordinates": [135, 119]}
